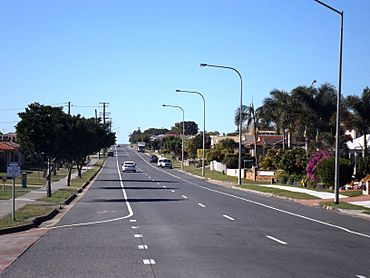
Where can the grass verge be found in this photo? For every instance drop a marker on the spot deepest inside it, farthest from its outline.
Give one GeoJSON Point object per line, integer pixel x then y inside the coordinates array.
{"type": "Point", "coordinates": [59, 196]}
{"type": "Point", "coordinates": [278, 191]}
{"type": "Point", "coordinates": [25, 215]}
{"type": "Point", "coordinates": [7, 193]}
{"type": "Point", "coordinates": [344, 205]}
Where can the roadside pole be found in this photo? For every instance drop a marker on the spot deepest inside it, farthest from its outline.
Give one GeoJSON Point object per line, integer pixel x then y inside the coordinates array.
{"type": "Point", "coordinates": [13, 196]}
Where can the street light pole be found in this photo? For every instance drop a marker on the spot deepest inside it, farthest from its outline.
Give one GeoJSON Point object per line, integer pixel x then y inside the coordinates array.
{"type": "Point", "coordinates": [240, 115]}
{"type": "Point", "coordinates": [183, 131]}
{"type": "Point", "coordinates": [337, 125]}
{"type": "Point", "coordinates": [204, 125]}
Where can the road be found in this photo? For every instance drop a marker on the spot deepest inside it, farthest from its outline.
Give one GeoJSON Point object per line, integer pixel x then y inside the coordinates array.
{"type": "Point", "coordinates": [164, 223]}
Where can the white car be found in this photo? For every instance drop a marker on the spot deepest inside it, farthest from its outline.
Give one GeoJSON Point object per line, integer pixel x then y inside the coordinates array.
{"type": "Point", "coordinates": [164, 163]}
{"type": "Point", "coordinates": [129, 166]}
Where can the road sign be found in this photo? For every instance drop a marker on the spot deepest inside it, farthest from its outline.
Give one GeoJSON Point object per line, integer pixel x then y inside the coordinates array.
{"type": "Point", "coordinates": [13, 169]}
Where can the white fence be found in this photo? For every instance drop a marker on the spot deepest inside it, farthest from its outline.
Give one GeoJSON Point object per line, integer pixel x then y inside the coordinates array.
{"type": "Point", "coordinates": [218, 166]}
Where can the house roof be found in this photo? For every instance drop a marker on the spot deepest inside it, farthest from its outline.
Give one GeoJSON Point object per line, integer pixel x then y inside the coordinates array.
{"type": "Point", "coordinates": [5, 146]}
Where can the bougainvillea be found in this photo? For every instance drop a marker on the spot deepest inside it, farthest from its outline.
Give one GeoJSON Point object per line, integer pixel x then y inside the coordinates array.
{"type": "Point", "coordinates": [312, 164]}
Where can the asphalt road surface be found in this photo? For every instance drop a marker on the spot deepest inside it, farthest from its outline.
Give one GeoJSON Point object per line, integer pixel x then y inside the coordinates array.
{"type": "Point", "coordinates": [164, 223]}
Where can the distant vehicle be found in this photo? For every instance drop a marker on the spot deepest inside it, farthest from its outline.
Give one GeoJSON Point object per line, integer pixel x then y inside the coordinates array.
{"type": "Point", "coordinates": [159, 162]}
{"type": "Point", "coordinates": [129, 166]}
{"type": "Point", "coordinates": [118, 146]}
{"type": "Point", "coordinates": [110, 153]}
{"type": "Point", "coordinates": [141, 147]}
{"type": "Point", "coordinates": [166, 163]}
{"type": "Point", "coordinates": [153, 158]}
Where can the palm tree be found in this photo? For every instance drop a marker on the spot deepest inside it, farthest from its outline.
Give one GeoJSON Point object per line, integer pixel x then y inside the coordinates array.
{"type": "Point", "coordinates": [250, 120]}
{"type": "Point", "coordinates": [279, 109]}
{"type": "Point", "coordinates": [360, 108]}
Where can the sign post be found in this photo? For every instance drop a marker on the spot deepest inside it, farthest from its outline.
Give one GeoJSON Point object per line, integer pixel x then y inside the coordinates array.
{"type": "Point", "coordinates": [13, 170]}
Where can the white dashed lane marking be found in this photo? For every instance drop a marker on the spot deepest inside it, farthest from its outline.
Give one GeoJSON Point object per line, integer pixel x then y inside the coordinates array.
{"type": "Point", "coordinates": [164, 186]}
{"type": "Point", "coordinates": [228, 217]}
{"type": "Point", "coordinates": [173, 191]}
{"type": "Point", "coordinates": [149, 261]}
{"type": "Point", "coordinates": [133, 220]}
{"type": "Point", "coordinates": [275, 239]}
{"type": "Point", "coordinates": [201, 205]}
{"type": "Point", "coordinates": [144, 246]}
{"type": "Point", "coordinates": [134, 227]}
{"type": "Point", "coordinates": [184, 196]}
{"type": "Point", "coordinates": [138, 235]}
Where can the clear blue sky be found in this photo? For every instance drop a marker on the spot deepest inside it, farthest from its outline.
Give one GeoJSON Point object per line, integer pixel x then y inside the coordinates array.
{"type": "Point", "coordinates": [134, 54]}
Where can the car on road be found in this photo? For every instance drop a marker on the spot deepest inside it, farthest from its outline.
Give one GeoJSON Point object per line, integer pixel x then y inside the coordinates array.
{"type": "Point", "coordinates": [153, 158]}
{"type": "Point", "coordinates": [166, 163]}
{"type": "Point", "coordinates": [110, 153]}
{"type": "Point", "coordinates": [128, 166]}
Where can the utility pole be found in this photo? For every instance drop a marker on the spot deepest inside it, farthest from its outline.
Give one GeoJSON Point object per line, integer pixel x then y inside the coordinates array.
{"type": "Point", "coordinates": [69, 108]}
{"type": "Point", "coordinates": [105, 104]}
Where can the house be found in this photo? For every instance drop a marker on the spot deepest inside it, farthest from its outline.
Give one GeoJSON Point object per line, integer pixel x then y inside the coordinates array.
{"type": "Point", "coordinates": [9, 151]}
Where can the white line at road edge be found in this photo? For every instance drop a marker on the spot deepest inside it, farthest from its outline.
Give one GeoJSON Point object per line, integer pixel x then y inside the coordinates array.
{"type": "Point", "coordinates": [264, 205]}
{"type": "Point", "coordinates": [131, 213]}
{"type": "Point", "coordinates": [277, 240]}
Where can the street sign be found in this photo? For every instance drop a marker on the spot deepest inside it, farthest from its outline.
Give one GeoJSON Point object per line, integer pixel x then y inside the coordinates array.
{"type": "Point", "coordinates": [13, 169]}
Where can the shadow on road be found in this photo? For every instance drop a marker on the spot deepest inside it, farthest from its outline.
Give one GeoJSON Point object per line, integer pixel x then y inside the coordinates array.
{"type": "Point", "coordinates": [146, 180]}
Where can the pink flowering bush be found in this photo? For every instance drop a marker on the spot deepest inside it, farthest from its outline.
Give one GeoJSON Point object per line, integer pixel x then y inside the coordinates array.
{"type": "Point", "coordinates": [312, 164]}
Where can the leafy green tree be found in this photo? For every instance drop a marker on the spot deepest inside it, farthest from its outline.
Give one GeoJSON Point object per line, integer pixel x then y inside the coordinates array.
{"type": "Point", "coordinates": [195, 143]}
{"type": "Point", "coordinates": [41, 132]}
{"type": "Point", "coordinates": [294, 161]}
{"type": "Point", "coordinates": [191, 128]}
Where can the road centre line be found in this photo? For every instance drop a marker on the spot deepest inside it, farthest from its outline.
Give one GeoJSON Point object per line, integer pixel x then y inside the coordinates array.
{"type": "Point", "coordinates": [277, 240]}
{"type": "Point", "coordinates": [184, 196]}
{"type": "Point", "coordinates": [134, 227]}
{"type": "Point", "coordinates": [228, 217]}
{"type": "Point", "coordinates": [143, 246]}
{"type": "Point", "coordinates": [132, 220]}
{"type": "Point", "coordinates": [201, 205]}
{"type": "Point", "coordinates": [267, 206]}
{"type": "Point", "coordinates": [164, 186]}
{"type": "Point", "coordinates": [138, 235]}
{"type": "Point", "coordinates": [173, 191]}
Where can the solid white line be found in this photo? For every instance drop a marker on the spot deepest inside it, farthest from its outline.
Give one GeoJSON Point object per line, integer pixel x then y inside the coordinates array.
{"type": "Point", "coordinates": [228, 217]}
{"type": "Point", "coordinates": [267, 206]}
{"type": "Point", "coordinates": [277, 240]}
{"type": "Point", "coordinates": [149, 261]}
{"type": "Point", "coordinates": [184, 196]}
{"type": "Point", "coordinates": [138, 235]}
{"type": "Point", "coordinates": [360, 276]}
{"type": "Point", "coordinates": [143, 246]}
{"type": "Point", "coordinates": [200, 204]}
{"type": "Point", "coordinates": [158, 183]}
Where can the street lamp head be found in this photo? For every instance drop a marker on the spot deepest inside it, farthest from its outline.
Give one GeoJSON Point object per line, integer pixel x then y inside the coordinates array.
{"type": "Point", "coordinates": [163, 105]}
{"type": "Point", "coordinates": [178, 91]}
{"type": "Point", "coordinates": [203, 65]}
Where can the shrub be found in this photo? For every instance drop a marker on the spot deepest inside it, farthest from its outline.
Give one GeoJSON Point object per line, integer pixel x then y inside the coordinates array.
{"type": "Point", "coordinates": [326, 171]}
{"type": "Point", "coordinates": [313, 162]}
{"type": "Point", "coordinates": [231, 161]}
{"type": "Point", "coordinates": [363, 167]}
{"type": "Point", "coordinates": [294, 161]}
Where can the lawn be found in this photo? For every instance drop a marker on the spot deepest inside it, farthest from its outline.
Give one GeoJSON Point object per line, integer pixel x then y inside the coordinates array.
{"type": "Point", "coordinates": [7, 193]}
{"type": "Point", "coordinates": [344, 205]}
{"type": "Point", "coordinates": [278, 191]}
{"type": "Point", "coordinates": [25, 215]}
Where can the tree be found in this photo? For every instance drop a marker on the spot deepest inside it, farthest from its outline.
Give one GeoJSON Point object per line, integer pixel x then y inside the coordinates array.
{"type": "Point", "coordinates": [191, 128]}
{"type": "Point", "coordinates": [195, 143]}
{"type": "Point", "coordinates": [250, 120]}
{"type": "Point", "coordinates": [294, 161]}
{"type": "Point", "coordinates": [41, 132]}
{"type": "Point", "coordinates": [326, 171]}
{"type": "Point", "coordinates": [360, 107]}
